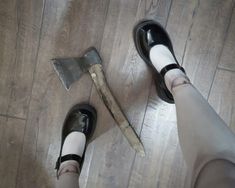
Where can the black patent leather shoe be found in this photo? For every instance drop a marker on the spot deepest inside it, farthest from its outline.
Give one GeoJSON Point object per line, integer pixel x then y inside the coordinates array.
{"type": "Point", "coordinates": [81, 118]}
{"type": "Point", "coordinates": [146, 34]}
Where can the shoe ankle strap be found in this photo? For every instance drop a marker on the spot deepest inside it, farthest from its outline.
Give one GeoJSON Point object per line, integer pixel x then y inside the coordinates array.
{"type": "Point", "coordinates": [170, 67]}
{"type": "Point", "coordinates": [68, 157]}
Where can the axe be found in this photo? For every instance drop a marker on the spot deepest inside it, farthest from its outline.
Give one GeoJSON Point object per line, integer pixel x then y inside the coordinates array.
{"type": "Point", "coordinates": [70, 70]}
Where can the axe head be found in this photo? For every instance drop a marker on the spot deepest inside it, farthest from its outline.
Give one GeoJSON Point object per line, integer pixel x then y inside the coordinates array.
{"type": "Point", "coordinates": [70, 70]}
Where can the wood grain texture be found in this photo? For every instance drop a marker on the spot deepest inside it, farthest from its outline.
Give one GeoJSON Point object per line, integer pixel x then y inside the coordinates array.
{"type": "Point", "coordinates": [8, 33]}
{"type": "Point", "coordinates": [205, 42]}
{"type": "Point", "coordinates": [163, 165]}
{"type": "Point", "coordinates": [12, 134]}
{"type": "Point", "coordinates": [222, 96]}
{"type": "Point", "coordinates": [129, 81]}
{"type": "Point", "coordinates": [29, 15]}
{"type": "Point", "coordinates": [227, 60]}
{"type": "Point", "coordinates": [69, 27]}
{"type": "Point", "coordinates": [180, 23]}
{"type": "Point", "coordinates": [21, 21]}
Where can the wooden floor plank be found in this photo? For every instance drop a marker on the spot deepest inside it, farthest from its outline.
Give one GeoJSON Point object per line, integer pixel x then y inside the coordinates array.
{"type": "Point", "coordinates": [222, 96]}
{"type": "Point", "coordinates": [12, 133]}
{"type": "Point", "coordinates": [29, 14]}
{"type": "Point", "coordinates": [228, 54]}
{"type": "Point", "coordinates": [158, 10]}
{"type": "Point", "coordinates": [69, 27]}
{"type": "Point", "coordinates": [180, 23]}
{"type": "Point", "coordinates": [8, 33]}
{"type": "Point", "coordinates": [205, 42]}
{"type": "Point", "coordinates": [20, 26]}
{"type": "Point", "coordinates": [163, 165]}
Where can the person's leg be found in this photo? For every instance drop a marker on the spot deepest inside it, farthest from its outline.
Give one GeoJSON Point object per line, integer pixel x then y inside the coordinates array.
{"type": "Point", "coordinates": [217, 174]}
{"type": "Point", "coordinates": [69, 176]}
{"type": "Point", "coordinates": [69, 170]}
{"type": "Point", "coordinates": [203, 134]}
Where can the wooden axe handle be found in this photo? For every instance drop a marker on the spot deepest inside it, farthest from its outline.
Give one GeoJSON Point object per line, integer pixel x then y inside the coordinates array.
{"type": "Point", "coordinates": [97, 76]}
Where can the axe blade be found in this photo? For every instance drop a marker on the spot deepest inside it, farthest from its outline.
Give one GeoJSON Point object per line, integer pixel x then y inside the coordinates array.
{"type": "Point", "coordinates": [70, 70]}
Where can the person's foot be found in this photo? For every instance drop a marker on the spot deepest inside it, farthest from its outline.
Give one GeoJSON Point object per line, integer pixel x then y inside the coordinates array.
{"type": "Point", "coordinates": [78, 128]}
{"type": "Point", "coordinates": [155, 48]}
{"type": "Point", "coordinates": [161, 57]}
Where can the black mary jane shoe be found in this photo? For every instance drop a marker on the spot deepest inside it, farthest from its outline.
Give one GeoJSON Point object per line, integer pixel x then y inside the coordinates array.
{"type": "Point", "coordinates": [146, 34]}
{"type": "Point", "coordinates": [81, 118]}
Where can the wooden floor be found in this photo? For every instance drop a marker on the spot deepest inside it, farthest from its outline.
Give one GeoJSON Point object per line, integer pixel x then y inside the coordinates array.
{"type": "Point", "coordinates": [33, 102]}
